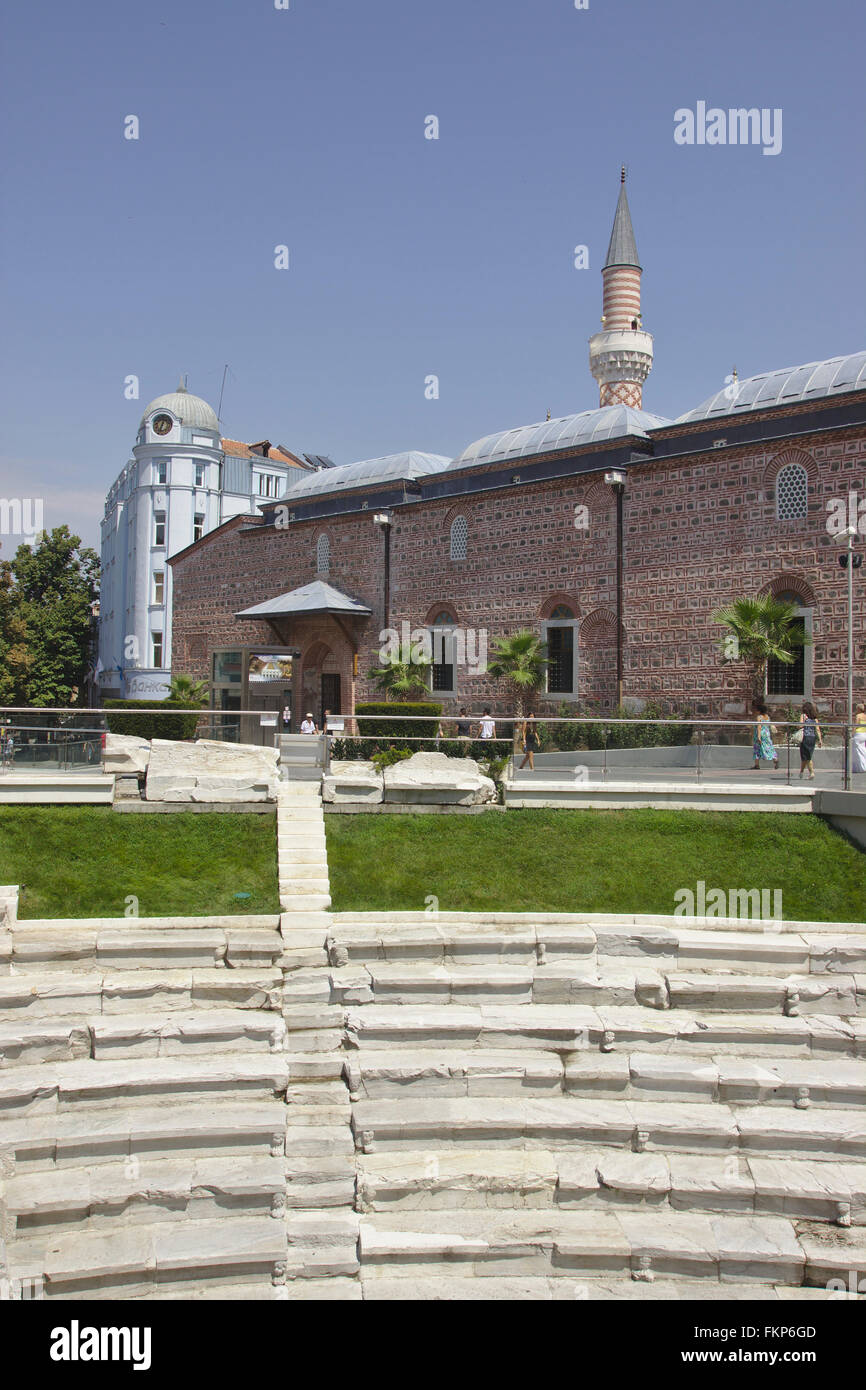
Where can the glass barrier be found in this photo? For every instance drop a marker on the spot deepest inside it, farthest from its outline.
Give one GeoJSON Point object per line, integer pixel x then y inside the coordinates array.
{"type": "Point", "coordinates": [562, 750]}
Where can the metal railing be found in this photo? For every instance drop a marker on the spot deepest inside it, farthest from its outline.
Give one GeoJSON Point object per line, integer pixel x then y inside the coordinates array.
{"type": "Point", "coordinates": [588, 748]}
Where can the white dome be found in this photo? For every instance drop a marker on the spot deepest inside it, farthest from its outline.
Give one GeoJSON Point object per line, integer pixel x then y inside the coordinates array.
{"type": "Point", "coordinates": [190, 410]}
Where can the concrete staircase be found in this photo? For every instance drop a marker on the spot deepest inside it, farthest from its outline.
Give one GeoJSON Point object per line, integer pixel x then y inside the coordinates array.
{"type": "Point", "coordinates": [392, 1105]}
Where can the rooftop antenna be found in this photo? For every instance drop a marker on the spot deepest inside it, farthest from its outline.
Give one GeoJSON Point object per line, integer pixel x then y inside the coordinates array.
{"type": "Point", "coordinates": [222, 388]}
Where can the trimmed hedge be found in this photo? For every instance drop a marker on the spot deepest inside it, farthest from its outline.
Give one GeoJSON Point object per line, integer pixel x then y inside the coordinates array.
{"type": "Point", "coordinates": [393, 726]}
{"type": "Point", "coordinates": [159, 724]}
{"type": "Point", "coordinates": [614, 733]}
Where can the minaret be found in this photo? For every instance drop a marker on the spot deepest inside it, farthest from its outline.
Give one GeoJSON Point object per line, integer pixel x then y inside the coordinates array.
{"type": "Point", "coordinates": [621, 356]}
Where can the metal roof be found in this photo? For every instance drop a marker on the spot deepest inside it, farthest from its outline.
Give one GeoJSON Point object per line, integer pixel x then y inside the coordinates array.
{"type": "Point", "coordinates": [190, 410]}
{"type": "Point", "coordinates": [391, 468]}
{"type": "Point", "coordinates": [608, 422]}
{"type": "Point", "coordinates": [622, 249]}
{"type": "Point", "coordinates": [310, 598]}
{"type": "Point", "coordinates": [784, 387]}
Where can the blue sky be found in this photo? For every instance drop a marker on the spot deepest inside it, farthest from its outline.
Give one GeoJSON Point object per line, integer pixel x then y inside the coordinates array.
{"type": "Point", "coordinates": [409, 257]}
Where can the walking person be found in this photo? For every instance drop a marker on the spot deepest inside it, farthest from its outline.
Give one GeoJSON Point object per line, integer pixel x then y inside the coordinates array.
{"type": "Point", "coordinates": [464, 728]}
{"type": "Point", "coordinates": [762, 740]}
{"type": "Point", "coordinates": [530, 743]}
{"type": "Point", "coordinates": [858, 742]}
{"type": "Point", "coordinates": [810, 732]}
{"type": "Point", "coordinates": [487, 727]}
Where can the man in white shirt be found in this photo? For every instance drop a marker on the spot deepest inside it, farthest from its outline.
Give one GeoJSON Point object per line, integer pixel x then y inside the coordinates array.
{"type": "Point", "coordinates": [308, 725]}
{"type": "Point", "coordinates": [487, 727]}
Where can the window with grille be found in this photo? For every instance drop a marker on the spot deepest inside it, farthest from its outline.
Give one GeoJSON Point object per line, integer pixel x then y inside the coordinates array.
{"type": "Point", "coordinates": [560, 657]}
{"type": "Point", "coordinates": [783, 679]}
{"type": "Point", "coordinates": [323, 555]}
{"type": "Point", "coordinates": [459, 538]}
{"type": "Point", "coordinates": [443, 652]}
{"type": "Point", "coordinates": [792, 492]}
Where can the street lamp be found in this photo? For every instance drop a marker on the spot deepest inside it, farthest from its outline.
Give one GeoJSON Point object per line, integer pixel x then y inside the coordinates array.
{"type": "Point", "coordinates": [850, 560]}
{"type": "Point", "coordinates": [616, 480]}
{"type": "Point", "coordinates": [383, 520]}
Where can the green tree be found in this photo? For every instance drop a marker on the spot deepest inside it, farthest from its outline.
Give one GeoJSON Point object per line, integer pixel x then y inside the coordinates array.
{"type": "Point", "coordinates": [46, 619]}
{"type": "Point", "coordinates": [521, 661]}
{"type": "Point", "coordinates": [759, 630]}
{"type": "Point", "coordinates": [400, 676]}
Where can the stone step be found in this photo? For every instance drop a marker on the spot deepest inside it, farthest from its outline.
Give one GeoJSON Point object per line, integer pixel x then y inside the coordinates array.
{"type": "Point", "coordinates": [134, 1261]}
{"type": "Point", "coordinates": [322, 1243]}
{"type": "Point", "coordinates": [167, 1035]}
{"type": "Point", "coordinates": [302, 849]}
{"type": "Point", "coordinates": [518, 941]}
{"type": "Point", "coordinates": [64, 1086]}
{"type": "Point", "coordinates": [292, 883]}
{"type": "Point", "coordinates": [579, 1028]}
{"type": "Point", "coordinates": [565, 983]}
{"type": "Point", "coordinates": [639, 1245]}
{"type": "Point", "coordinates": [669, 1126]}
{"type": "Point", "coordinates": [109, 1195]}
{"type": "Point", "coordinates": [53, 994]}
{"type": "Point", "coordinates": [537, 1288]}
{"type": "Point", "coordinates": [518, 1179]}
{"type": "Point", "coordinates": [85, 1136]}
{"type": "Point", "coordinates": [619, 1076]}
{"type": "Point", "coordinates": [842, 995]}
{"type": "Point", "coordinates": [41, 948]}
{"type": "Point", "coordinates": [304, 901]}
{"type": "Point", "coordinates": [389, 920]}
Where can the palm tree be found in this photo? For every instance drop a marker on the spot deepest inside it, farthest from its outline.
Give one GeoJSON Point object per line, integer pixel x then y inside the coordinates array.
{"type": "Point", "coordinates": [401, 678]}
{"type": "Point", "coordinates": [521, 661]}
{"type": "Point", "coordinates": [760, 630]}
{"type": "Point", "coordinates": [188, 691]}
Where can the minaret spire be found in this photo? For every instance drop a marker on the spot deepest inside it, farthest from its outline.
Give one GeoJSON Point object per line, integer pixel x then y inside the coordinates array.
{"type": "Point", "coordinates": [620, 357]}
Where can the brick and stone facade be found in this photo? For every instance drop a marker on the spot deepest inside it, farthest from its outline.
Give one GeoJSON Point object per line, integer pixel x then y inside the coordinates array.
{"type": "Point", "coordinates": [536, 546]}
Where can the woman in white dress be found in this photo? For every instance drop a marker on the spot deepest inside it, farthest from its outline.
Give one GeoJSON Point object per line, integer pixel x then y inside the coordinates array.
{"type": "Point", "coordinates": [858, 746]}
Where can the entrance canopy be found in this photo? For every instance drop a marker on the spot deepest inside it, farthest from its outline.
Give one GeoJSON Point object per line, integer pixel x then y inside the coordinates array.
{"type": "Point", "coordinates": [309, 599]}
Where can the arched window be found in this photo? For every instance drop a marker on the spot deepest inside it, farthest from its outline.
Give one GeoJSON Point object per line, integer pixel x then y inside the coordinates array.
{"type": "Point", "coordinates": [459, 537]}
{"type": "Point", "coordinates": [562, 611]}
{"type": "Point", "coordinates": [323, 555]}
{"type": "Point", "coordinates": [792, 492]}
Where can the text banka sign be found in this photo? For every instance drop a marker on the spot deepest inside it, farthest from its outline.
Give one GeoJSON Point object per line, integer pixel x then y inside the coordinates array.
{"type": "Point", "coordinates": [147, 687]}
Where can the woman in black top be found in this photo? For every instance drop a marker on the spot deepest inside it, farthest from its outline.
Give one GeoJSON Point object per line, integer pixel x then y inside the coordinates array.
{"type": "Point", "coordinates": [530, 743]}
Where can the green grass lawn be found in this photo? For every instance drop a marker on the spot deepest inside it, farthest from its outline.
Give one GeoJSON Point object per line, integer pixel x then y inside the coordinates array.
{"type": "Point", "coordinates": [84, 861]}
{"type": "Point", "coordinates": [591, 861]}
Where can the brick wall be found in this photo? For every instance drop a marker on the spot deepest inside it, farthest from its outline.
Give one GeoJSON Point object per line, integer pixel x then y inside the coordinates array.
{"type": "Point", "coordinates": [699, 531]}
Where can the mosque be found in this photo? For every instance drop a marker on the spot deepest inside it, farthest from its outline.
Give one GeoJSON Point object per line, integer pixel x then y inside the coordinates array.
{"type": "Point", "coordinates": [614, 533]}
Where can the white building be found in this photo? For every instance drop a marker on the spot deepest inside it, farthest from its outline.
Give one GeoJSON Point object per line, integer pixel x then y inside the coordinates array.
{"type": "Point", "coordinates": [182, 481]}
